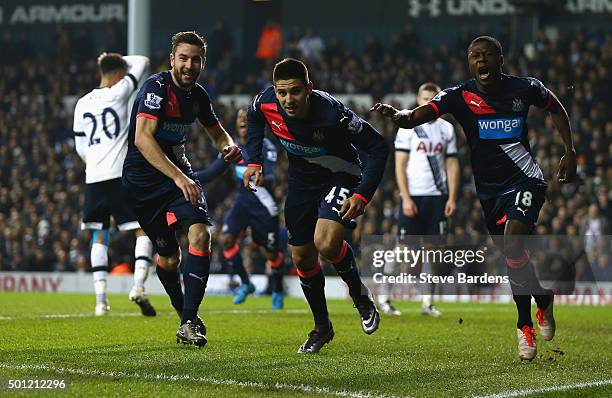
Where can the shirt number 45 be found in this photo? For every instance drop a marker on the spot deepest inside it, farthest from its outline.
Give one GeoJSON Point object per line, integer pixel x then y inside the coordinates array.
{"type": "Point", "coordinates": [342, 195]}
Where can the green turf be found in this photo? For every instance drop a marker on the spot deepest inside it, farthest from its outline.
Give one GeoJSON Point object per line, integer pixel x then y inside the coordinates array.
{"type": "Point", "coordinates": [411, 355]}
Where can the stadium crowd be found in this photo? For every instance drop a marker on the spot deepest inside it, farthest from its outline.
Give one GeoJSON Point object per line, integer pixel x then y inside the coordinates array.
{"type": "Point", "coordinates": [42, 178]}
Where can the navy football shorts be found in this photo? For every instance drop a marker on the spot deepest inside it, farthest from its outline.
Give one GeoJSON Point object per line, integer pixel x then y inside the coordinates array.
{"type": "Point", "coordinates": [104, 199]}
{"type": "Point", "coordinates": [160, 219]}
{"type": "Point", "coordinates": [305, 205]}
{"type": "Point", "coordinates": [523, 204]}
{"type": "Point", "coordinates": [429, 220]}
{"type": "Point", "coordinates": [259, 211]}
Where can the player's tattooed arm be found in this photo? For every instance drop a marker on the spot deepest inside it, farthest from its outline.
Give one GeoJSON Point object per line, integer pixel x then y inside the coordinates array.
{"type": "Point", "coordinates": [224, 143]}
{"type": "Point", "coordinates": [146, 143]}
{"type": "Point", "coordinates": [567, 164]}
{"type": "Point", "coordinates": [406, 118]}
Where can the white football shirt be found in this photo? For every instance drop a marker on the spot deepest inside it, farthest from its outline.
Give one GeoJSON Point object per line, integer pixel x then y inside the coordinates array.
{"type": "Point", "coordinates": [428, 145]}
{"type": "Point", "coordinates": [101, 121]}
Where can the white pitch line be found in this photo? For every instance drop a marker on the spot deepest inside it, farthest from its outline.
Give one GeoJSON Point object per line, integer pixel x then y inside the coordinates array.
{"type": "Point", "coordinates": [531, 391]}
{"type": "Point", "coordinates": [205, 380]}
{"type": "Point", "coordinates": [292, 311]}
{"type": "Point", "coordinates": [63, 316]}
{"type": "Point", "coordinates": [131, 314]}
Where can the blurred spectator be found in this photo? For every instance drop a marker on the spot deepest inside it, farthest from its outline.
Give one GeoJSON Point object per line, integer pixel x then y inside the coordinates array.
{"type": "Point", "coordinates": [593, 227]}
{"type": "Point", "coordinates": [219, 44]}
{"type": "Point", "coordinates": [270, 41]}
{"type": "Point", "coordinates": [311, 47]}
{"type": "Point", "coordinates": [374, 49]}
{"type": "Point", "coordinates": [602, 267]}
{"type": "Point", "coordinates": [407, 44]}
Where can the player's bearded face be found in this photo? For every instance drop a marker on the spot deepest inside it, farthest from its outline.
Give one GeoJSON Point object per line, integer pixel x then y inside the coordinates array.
{"type": "Point", "coordinates": [187, 62]}
{"type": "Point", "coordinates": [292, 94]}
{"type": "Point", "coordinates": [485, 63]}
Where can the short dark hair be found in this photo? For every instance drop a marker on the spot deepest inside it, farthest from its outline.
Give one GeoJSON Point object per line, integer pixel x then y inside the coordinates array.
{"type": "Point", "coordinates": [429, 86]}
{"type": "Point", "coordinates": [191, 37]}
{"type": "Point", "coordinates": [111, 62]}
{"type": "Point", "coordinates": [290, 68]}
{"type": "Point", "coordinates": [490, 40]}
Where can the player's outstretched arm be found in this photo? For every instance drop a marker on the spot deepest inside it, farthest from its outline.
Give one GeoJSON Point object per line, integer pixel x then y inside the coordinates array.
{"type": "Point", "coordinates": [567, 164]}
{"type": "Point", "coordinates": [137, 65]}
{"type": "Point", "coordinates": [406, 118]}
{"type": "Point", "coordinates": [145, 141]}
{"type": "Point", "coordinates": [224, 143]}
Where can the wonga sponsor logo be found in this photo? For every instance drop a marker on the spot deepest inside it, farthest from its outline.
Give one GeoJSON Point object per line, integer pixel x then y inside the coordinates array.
{"type": "Point", "coordinates": [302, 150]}
{"type": "Point", "coordinates": [181, 128]}
{"type": "Point", "coordinates": [490, 129]}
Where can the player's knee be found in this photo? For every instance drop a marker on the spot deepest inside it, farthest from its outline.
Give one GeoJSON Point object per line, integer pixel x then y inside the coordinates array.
{"type": "Point", "coordinates": [169, 263]}
{"type": "Point", "coordinates": [304, 261]}
{"type": "Point", "coordinates": [199, 237]}
{"type": "Point", "coordinates": [514, 246]}
{"type": "Point", "coordinates": [328, 246]}
{"type": "Point", "coordinates": [518, 261]}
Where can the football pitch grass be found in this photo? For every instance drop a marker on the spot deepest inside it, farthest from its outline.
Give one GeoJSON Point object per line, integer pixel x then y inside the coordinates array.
{"type": "Point", "coordinates": [469, 352]}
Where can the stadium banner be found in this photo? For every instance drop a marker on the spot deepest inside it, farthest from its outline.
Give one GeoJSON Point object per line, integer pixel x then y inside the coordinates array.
{"type": "Point", "coordinates": [466, 8]}
{"type": "Point", "coordinates": [19, 13]}
{"type": "Point", "coordinates": [583, 293]}
{"type": "Point", "coordinates": [81, 282]}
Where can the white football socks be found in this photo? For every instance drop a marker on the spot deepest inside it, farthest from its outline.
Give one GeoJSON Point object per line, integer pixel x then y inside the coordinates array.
{"type": "Point", "coordinates": [99, 265]}
{"type": "Point", "coordinates": [143, 253]}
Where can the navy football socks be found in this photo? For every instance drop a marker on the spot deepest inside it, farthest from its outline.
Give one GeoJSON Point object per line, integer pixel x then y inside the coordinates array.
{"type": "Point", "coordinates": [233, 258]}
{"type": "Point", "coordinates": [276, 270]}
{"type": "Point", "coordinates": [523, 306]}
{"type": "Point", "coordinates": [171, 283]}
{"type": "Point", "coordinates": [313, 286]}
{"type": "Point", "coordinates": [346, 267]}
{"type": "Point", "coordinates": [196, 270]}
{"type": "Point", "coordinates": [524, 284]}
